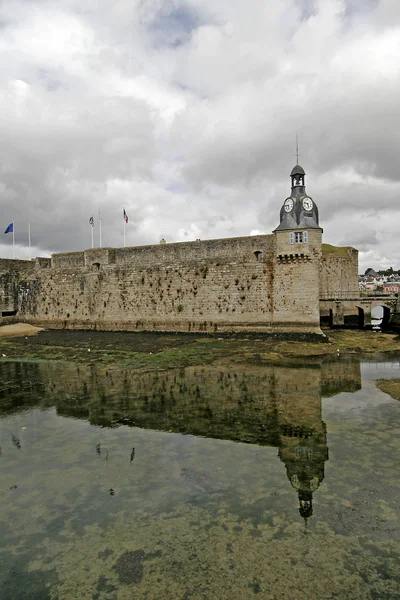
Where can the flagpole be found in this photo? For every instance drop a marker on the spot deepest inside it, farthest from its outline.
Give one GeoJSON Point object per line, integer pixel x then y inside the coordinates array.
{"type": "Point", "coordinates": [29, 236]}
{"type": "Point", "coordinates": [13, 240]}
{"type": "Point", "coordinates": [92, 236]}
{"type": "Point", "coordinates": [100, 225]}
{"type": "Point", "coordinates": [124, 230]}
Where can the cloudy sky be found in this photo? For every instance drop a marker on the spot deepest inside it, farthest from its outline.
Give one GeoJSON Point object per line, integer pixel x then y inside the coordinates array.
{"type": "Point", "coordinates": [185, 112]}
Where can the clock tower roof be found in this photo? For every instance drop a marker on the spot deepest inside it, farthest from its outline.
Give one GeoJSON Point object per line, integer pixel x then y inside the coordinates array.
{"type": "Point", "coordinates": [297, 170]}
{"type": "Point", "coordinates": [299, 211]}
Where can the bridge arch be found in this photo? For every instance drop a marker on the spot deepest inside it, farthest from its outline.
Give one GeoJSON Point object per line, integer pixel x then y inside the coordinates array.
{"type": "Point", "coordinates": [355, 311]}
{"type": "Point", "coordinates": [386, 313]}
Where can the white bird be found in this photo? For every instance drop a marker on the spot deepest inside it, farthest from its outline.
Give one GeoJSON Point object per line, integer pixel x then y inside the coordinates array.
{"type": "Point", "coordinates": [88, 349]}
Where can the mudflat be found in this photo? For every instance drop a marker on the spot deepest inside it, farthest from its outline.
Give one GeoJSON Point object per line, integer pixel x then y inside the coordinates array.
{"type": "Point", "coordinates": [150, 351]}
{"type": "Point", "coordinates": [18, 329]}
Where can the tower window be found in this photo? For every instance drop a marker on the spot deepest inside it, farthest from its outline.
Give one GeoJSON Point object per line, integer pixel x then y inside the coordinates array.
{"type": "Point", "coordinates": [298, 237]}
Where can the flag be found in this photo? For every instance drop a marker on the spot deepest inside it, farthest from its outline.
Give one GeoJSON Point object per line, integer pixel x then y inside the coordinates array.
{"type": "Point", "coordinates": [125, 217]}
{"type": "Point", "coordinates": [10, 228]}
{"type": "Point", "coordinates": [91, 221]}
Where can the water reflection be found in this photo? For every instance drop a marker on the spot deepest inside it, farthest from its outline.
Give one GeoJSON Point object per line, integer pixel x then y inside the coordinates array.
{"type": "Point", "coordinates": [273, 405]}
{"type": "Point", "coordinates": [92, 508]}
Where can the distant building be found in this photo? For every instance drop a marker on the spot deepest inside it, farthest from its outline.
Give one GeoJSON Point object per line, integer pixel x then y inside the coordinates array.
{"type": "Point", "coordinates": [391, 287]}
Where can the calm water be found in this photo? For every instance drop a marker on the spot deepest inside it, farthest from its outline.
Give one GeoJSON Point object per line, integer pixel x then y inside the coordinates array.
{"type": "Point", "coordinates": [269, 481]}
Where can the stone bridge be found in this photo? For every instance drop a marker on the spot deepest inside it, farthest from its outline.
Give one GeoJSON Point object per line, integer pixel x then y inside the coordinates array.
{"type": "Point", "coordinates": [353, 303]}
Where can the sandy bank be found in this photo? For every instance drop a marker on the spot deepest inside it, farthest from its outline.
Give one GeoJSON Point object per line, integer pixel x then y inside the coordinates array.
{"type": "Point", "coordinates": [18, 329]}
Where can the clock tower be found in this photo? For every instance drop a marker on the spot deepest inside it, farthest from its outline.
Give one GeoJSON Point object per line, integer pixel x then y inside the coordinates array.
{"type": "Point", "coordinates": [299, 211]}
{"type": "Point", "coordinates": [297, 255]}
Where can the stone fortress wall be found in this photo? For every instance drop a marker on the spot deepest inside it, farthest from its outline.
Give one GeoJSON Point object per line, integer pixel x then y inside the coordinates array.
{"type": "Point", "coordinates": [296, 280]}
{"type": "Point", "coordinates": [12, 274]}
{"type": "Point", "coordinates": [338, 271]}
{"type": "Point", "coordinates": [395, 321]}
{"type": "Point", "coordinates": [232, 284]}
{"type": "Point", "coordinates": [196, 285]}
{"type": "Point", "coordinates": [257, 283]}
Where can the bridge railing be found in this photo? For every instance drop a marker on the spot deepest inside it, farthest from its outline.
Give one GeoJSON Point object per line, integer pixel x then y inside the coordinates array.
{"type": "Point", "coordinates": [349, 294]}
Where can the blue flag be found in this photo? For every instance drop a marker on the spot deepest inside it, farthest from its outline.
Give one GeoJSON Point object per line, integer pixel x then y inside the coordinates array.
{"type": "Point", "coordinates": [10, 228]}
{"type": "Point", "coordinates": [91, 221]}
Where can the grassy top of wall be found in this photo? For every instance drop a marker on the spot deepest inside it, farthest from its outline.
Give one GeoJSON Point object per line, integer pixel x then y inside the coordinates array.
{"type": "Point", "coordinates": [339, 251]}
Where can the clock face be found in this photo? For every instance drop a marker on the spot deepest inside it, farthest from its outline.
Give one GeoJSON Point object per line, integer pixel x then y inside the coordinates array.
{"type": "Point", "coordinates": [288, 204]}
{"type": "Point", "coordinates": [307, 204]}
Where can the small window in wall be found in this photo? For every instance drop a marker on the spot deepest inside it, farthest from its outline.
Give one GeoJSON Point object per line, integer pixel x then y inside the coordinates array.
{"type": "Point", "coordinates": [298, 237]}
{"type": "Point", "coordinates": [258, 255]}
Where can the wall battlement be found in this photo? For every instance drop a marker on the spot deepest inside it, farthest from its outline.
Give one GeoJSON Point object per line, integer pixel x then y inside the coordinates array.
{"type": "Point", "coordinates": [241, 248]}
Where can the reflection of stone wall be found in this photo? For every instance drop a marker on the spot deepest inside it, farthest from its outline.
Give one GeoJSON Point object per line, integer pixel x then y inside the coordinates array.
{"type": "Point", "coordinates": [253, 404]}
{"type": "Point", "coordinates": [342, 375]}
{"type": "Point", "coordinates": [268, 405]}
{"type": "Point", "coordinates": [302, 432]}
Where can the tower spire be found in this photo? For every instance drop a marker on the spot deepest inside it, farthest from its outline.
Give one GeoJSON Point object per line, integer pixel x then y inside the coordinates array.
{"type": "Point", "coordinates": [297, 149]}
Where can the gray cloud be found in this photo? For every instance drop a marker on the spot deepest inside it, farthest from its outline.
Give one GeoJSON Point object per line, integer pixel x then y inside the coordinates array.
{"type": "Point", "coordinates": [184, 112]}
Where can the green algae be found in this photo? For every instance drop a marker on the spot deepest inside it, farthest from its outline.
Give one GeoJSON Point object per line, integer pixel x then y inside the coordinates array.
{"type": "Point", "coordinates": [160, 352]}
{"type": "Point", "coordinates": [390, 386]}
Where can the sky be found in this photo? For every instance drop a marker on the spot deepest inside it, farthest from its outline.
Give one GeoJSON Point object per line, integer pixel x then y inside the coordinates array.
{"type": "Point", "coordinates": [185, 113]}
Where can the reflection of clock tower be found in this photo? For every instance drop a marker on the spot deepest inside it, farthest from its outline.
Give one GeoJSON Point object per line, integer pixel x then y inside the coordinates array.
{"type": "Point", "coordinates": [302, 432]}
{"type": "Point", "coordinates": [298, 240]}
